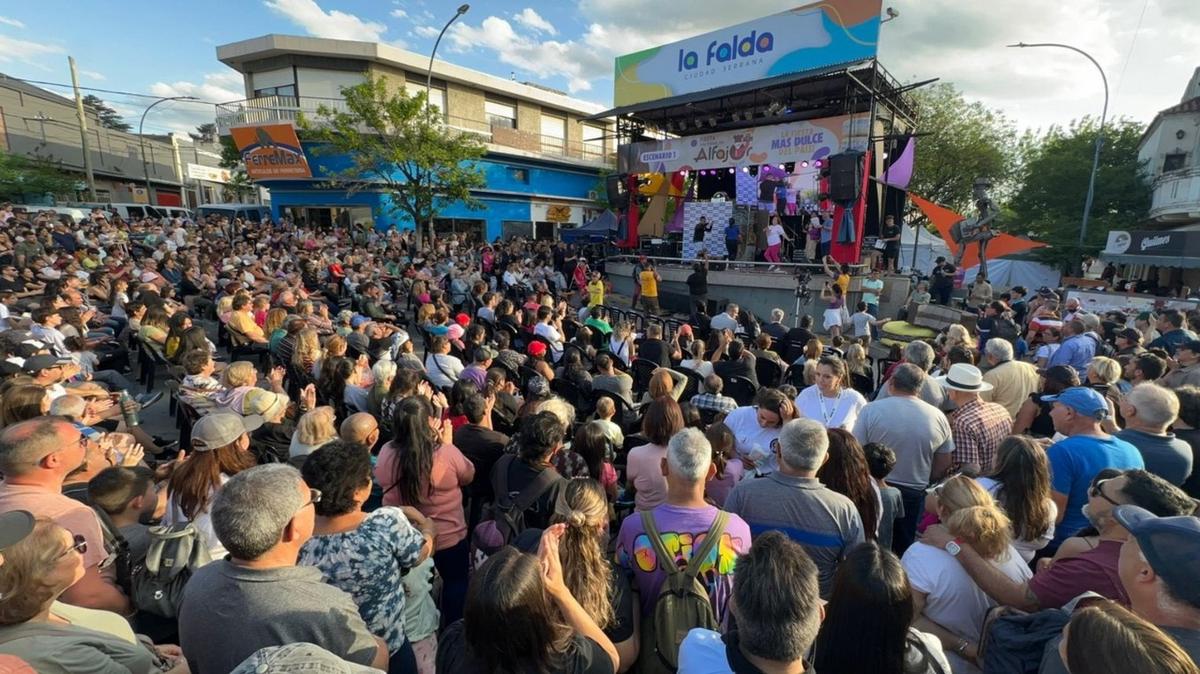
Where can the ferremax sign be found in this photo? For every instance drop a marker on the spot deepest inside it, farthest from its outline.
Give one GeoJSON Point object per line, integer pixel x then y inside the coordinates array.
{"type": "Point", "coordinates": [805, 38]}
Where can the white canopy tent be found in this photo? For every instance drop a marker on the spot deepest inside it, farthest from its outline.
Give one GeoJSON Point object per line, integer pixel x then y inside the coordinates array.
{"type": "Point", "coordinates": [929, 247]}
{"type": "Point", "coordinates": [1004, 272]}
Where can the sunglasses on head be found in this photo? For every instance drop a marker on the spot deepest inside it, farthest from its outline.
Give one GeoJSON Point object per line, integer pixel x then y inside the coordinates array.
{"type": "Point", "coordinates": [78, 544]}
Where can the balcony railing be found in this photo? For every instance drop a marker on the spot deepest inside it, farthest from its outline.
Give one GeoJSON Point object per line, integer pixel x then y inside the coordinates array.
{"type": "Point", "coordinates": [1176, 196]}
{"type": "Point", "coordinates": [498, 135]}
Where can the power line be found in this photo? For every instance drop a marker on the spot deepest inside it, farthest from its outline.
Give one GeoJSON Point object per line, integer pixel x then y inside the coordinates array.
{"type": "Point", "coordinates": [1129, 54]}
{"type": "Point", "coordinates": [106, 91]}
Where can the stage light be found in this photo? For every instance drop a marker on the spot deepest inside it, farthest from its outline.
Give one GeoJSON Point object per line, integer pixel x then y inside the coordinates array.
{"type": "Point", "coordinates": [731, 170]}
{"type": "Point", "coordinates": [804, 164]}
{"type": "Point", "coordinates": [817, 163]}
{"type": "Point", "coordinates": [782, 167]}
{"type": "Point", "coordinates": [745, 169]}
{"type": "Point", "coordinates": [885, 155]}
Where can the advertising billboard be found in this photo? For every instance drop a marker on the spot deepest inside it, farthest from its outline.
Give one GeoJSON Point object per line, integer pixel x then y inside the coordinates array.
{"type": "Point", "coordinates": [805, 38]}
{"type": "Point", "coordinates": [271, 151]}
{"type": "Point", "coordinates": [809, 140]}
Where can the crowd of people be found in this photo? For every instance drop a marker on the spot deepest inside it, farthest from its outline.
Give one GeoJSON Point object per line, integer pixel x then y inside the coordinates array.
{"type": "Point", "coordinates": [438, 457]}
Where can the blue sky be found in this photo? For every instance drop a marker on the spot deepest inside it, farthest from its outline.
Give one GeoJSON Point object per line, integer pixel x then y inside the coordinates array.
{"type": "Point", "coordinates": [1148, 48]}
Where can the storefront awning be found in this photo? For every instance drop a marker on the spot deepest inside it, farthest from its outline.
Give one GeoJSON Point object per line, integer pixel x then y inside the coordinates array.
{"type": "Point", "coordinates": [1177, 261]}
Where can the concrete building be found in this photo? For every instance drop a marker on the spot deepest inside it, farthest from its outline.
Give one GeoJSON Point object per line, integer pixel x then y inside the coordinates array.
{"type": "Point", "coordinates": [37, 123]}
{"type": "Point", "coordinates": [542, 164]}
{"type": "Point", "coordinates": [1170, 149]}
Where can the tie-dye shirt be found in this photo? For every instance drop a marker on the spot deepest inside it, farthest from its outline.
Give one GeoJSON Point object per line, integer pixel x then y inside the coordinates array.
{"type": "Point", "coordinates": [682, 530]}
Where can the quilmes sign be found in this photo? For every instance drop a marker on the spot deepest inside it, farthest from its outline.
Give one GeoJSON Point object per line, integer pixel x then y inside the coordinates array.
{"type": "Point", "coordinates": [805, 38]}
{"type": "Point", "coordinates": [1157, 243]}
{"type": "Point", "coordinates": [271, 151]}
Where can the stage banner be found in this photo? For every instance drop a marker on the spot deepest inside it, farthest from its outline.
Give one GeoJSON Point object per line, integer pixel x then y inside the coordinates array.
{"type": "Point", "coordinates": [808, 37]}
{"type": "Point", "coordinates": [809, 141]}
{"type": "Point", "coordinates": [271, 151]}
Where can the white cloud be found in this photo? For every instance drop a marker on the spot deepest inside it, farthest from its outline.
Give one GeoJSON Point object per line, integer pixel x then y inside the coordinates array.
{"type": "Point", "coordinates": [399, 14]}
{"type": "Point", "coordinates": [332, 24]}
{"type": "Point", "coordinates": [542, 59]}
{"type": "Point", "coordinates": [426, 31]}
{"type": "Point", "coordinates": [531, 19]}
{"type": "Point", "coordinates": [11, 22]}
{"type": "Point", "coordinates": [93, 75]}
{"type": "Point", "coordinates": [220, 87]}
{"type": "Point", "coordinates": [14, 50]}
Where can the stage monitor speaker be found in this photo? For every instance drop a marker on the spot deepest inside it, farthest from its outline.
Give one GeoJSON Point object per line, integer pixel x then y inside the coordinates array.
{"type": "Point", "coordinates": [845, 176]}
{"type": "Point", "coordinates": [615, 186]}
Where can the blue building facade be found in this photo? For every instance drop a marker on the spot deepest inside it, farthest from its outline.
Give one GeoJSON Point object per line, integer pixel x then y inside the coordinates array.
{"type": "Point", "coordinates": [519, 194]}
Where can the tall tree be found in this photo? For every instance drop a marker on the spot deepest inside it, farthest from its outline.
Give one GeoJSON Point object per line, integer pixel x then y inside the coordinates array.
{"type": "Point", "coordinates": [205, 133]}
{"type": "Point", "coordinates": [398, 143]}
{"type": "Point", "coordinates": [965, 141]}
{"type": "Point", "coordinates": [1049, 204]}
{"type": "Point", "coordinates": [109, 118]}
{"type": "Point", "coordinates": [31, 179]}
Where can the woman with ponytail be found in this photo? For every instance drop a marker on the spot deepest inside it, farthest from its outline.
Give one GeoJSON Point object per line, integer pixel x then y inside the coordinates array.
{"type": "Point", "coordinates": [601, 588]}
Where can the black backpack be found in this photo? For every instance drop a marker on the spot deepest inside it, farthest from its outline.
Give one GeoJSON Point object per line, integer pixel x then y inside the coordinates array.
{"type": "Point", "coordinates": [505, 518]}
{"type": "Point", "coordinates": [1003, 327]}
{"type": "Point", "coordinates": [175, 552]}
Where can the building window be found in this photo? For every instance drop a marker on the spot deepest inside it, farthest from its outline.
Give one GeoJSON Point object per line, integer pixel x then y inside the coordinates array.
{"type": "Point", "coordinates": [554, 134]}
{"type": "Point", "coordinates": [593, 141]}
{"type": "Point", "coordinates": [500, 114]}
{"type": "Point", "coordinates": [437, 95]}
{"type": "Point", "coordinates": [1174, 161]}
{"type": "Point", "coordinates": [288, 90]}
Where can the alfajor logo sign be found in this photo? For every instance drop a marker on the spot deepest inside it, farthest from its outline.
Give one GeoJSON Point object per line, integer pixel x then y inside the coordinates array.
{"type": "Point", "coordinates": [271, 151]}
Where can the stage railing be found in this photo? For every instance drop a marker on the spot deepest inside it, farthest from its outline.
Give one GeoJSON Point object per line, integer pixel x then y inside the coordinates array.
{"type": "Point", "coordinates": [815, 267]}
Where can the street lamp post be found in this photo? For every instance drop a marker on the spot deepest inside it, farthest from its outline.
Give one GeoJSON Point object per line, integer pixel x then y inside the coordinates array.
{"type": "Point", "coordinates": [142, 138]}
{"type": "Point", "coordinates": [462, 9]}
{"type": "Point", "coordinates": [1091, 192]}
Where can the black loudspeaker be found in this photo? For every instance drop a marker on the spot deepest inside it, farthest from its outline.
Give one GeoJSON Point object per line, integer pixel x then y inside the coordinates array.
{"type": "Point", "coordinates": [845, 176]}
{"type": "Point", "coordinates": [615, 186]}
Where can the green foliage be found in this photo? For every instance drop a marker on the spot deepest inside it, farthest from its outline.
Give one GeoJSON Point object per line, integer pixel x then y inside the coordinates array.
{"type": "Point", "coordinates": [109, 118]}
{"type": "Point", "coordinates": [400, 144]}
{"type": "Point", "coordinates": [205, 133]}
{"type": "Point", "coordinates": [239, 186]}
{"type": "Point", "coordinates": [23, 179]}
{"type": "Point", "coordinates": [1049, 205]}
{"type": "Point", "coordinates": [230, 157]}
{"type": "Point", "coordinates": [966, 141]}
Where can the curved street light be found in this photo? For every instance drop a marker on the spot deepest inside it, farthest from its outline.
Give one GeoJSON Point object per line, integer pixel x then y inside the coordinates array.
{"type": "Point", "coordinates": [1091, 192]}
{"type": "Point", "coordinates": [462, 9]}
{"type": "Point", "coordinates": [142, 138]}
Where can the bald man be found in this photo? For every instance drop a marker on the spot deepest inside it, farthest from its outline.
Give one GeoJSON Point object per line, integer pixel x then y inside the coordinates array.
{"type": "Point", "coordinates": [361, 428]}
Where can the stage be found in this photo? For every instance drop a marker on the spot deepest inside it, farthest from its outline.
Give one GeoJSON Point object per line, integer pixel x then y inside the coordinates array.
{"type": "Point", "coordinates": [752, 288]}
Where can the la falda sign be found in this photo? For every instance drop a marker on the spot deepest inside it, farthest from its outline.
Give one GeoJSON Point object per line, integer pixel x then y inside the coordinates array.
{"type": "Point", "coordinates": [804, 38]}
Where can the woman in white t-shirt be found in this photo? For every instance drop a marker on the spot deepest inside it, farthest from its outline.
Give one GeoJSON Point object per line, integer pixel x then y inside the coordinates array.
{"type": "Point", "coordinates": [697, 362]}
{"type": "Point", "coordinates": [775, 238]}
{"type": "Point", "coordinates": [830, 401]}
{"type": "Point", "coordinates": [1020, 483]}
{"type": "Point", "coordinates": [220, 449]}
{"type": "Point", "coordinates": [946, 599]}
{"type": "Point", "coordinates": [756, 428]}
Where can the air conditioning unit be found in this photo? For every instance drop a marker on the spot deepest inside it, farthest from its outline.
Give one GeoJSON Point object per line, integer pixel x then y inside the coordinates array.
{"type": "Point", "coordinates": [593, 195]}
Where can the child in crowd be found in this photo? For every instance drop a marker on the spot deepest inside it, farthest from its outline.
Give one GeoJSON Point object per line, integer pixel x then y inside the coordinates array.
{"type": "Point", "coordinates": [605, 411]}
{"type": "Point", "coordinates": [863, 323]}
{"type": "Point", "coordinates": [880, 461]}
{"type": "Point", "coordinates": [729, 468]}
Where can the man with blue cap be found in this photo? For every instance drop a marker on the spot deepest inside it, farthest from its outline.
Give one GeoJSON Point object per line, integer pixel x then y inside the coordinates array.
{"type": "Point", "coordinates": [1078, 413]}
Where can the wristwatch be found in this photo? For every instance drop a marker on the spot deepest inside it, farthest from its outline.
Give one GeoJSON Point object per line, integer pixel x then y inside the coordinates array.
{"type": "Point", "coordinates": [953, 547]}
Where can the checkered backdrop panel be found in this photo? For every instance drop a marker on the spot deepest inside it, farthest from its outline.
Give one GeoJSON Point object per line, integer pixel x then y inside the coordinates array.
{"type": "Point", "coordinates": [718, 214]}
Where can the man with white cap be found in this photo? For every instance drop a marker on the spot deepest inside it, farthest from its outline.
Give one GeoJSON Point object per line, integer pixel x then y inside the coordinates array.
{"type": "Point", "coordinates": [977, 427]}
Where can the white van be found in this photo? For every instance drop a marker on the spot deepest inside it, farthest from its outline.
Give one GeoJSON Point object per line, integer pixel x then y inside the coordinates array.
{"type": "Point", "coordinates": [129, 212]}
{"type": "Point", "coordinates": [247, 212]}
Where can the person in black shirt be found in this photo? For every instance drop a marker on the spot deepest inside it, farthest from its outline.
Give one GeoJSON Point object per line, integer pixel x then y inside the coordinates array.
{"type": "Point", "coordinates": [943, 281]}
{"type": "Point", "coordinates": [776, 329]}
{"type": "Point", "coordinates": [541, 438]}
{"type": "Point", "coordinates": [698, 286]}
{"type": "Point", "coordinates": [654, 349]}
{"type": "Point", "coordinates": [482, 446]}
{"type": "Point", "coordinates": [740, 363]}
{"type": "Point", "coordinates": [891, 239]}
